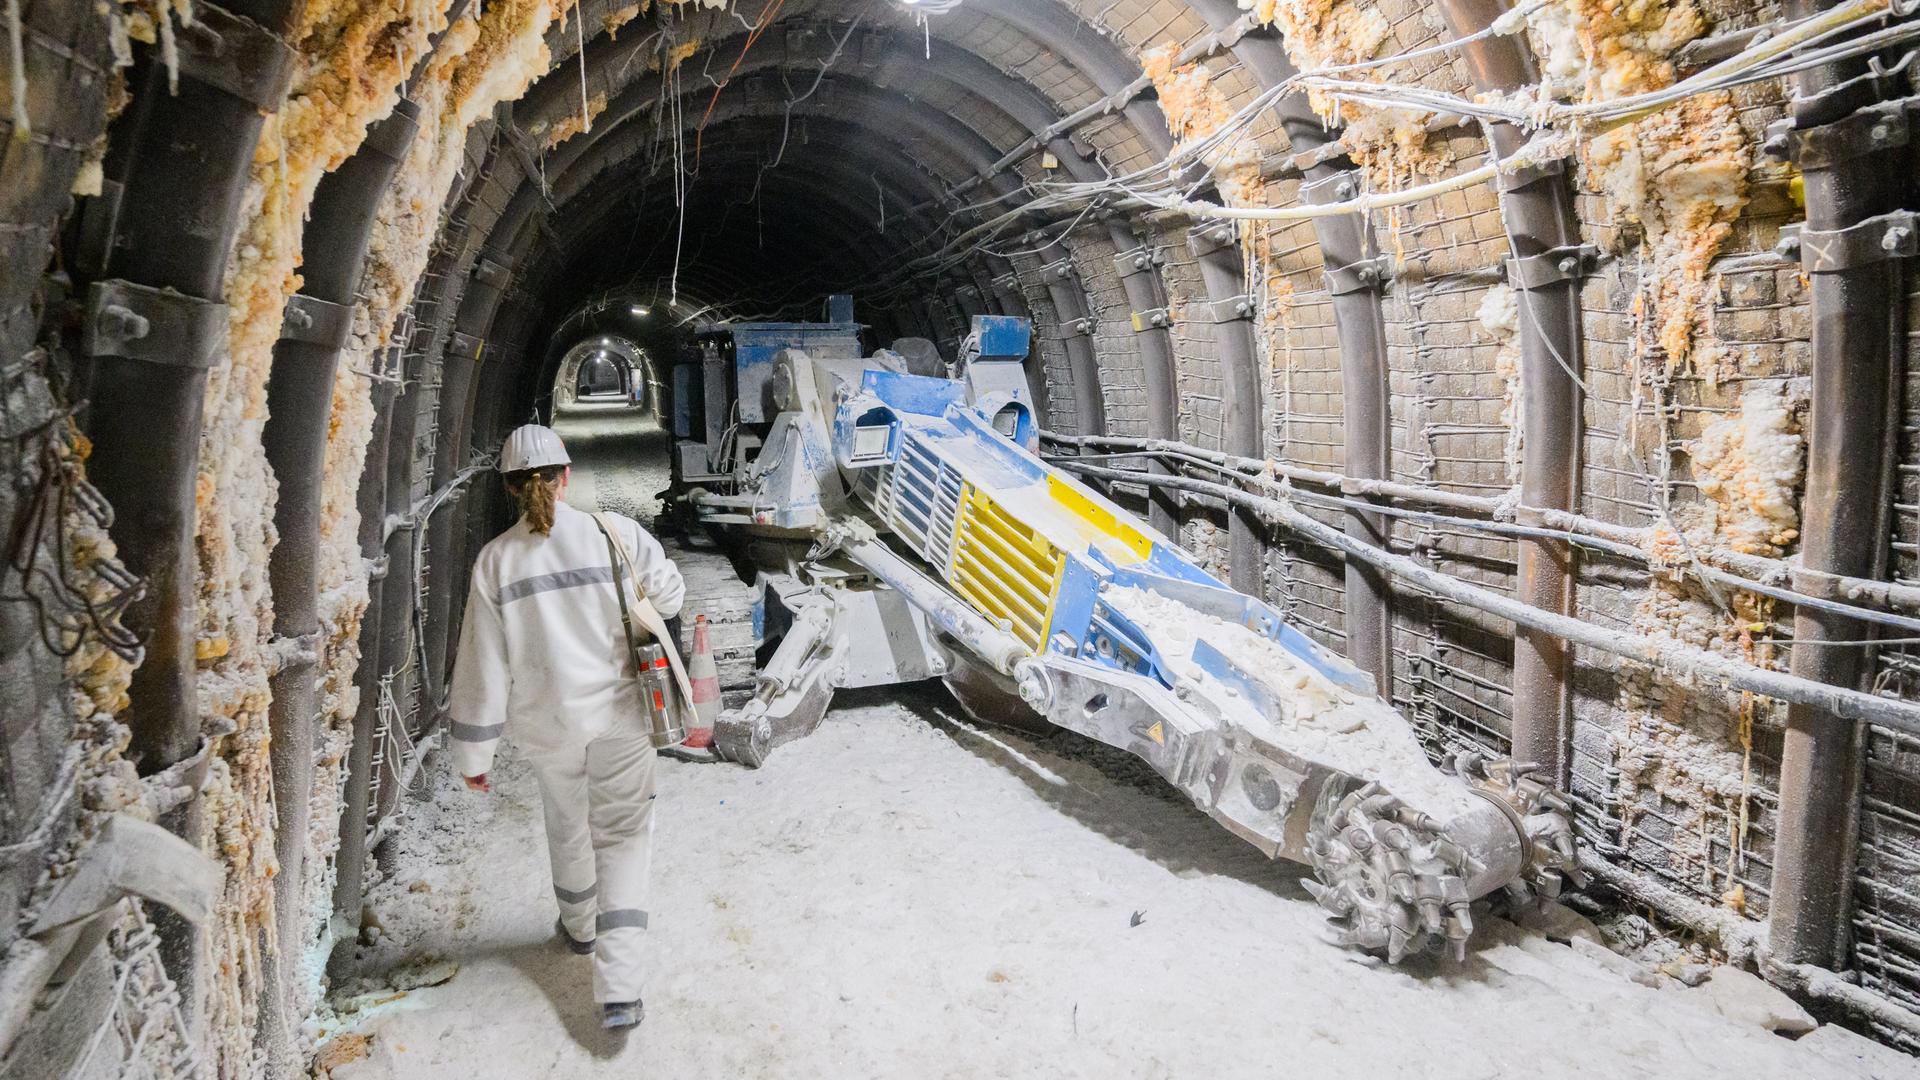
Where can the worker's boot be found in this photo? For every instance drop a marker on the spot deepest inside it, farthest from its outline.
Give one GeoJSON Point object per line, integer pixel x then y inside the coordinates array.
{"type": "Point", "coordinates": [621, 1014]}
{"type": "Point", "coordinates": [574, 944]}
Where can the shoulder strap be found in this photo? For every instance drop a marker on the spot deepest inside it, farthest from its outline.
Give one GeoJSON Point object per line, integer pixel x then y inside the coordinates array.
{"type": "Point", "coordinates": [620, 575]}
{"type": "Point", "coordinates": [642, 613]}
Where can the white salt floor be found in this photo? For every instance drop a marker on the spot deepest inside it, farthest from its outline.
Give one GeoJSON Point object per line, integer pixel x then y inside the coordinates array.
{"type": "Point", "coordinates": [902, 896]}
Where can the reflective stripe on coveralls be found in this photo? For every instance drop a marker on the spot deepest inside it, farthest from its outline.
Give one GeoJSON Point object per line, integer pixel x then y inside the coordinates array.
{"type": "Point", "coordinates": [599, 811]}
{"type": "Point", "coordinates": [542, 655]}
{"type": "Point", "coordinates": [543, 659]}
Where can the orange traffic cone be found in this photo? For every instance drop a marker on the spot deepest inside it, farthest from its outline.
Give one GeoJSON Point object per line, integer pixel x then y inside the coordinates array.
{"type": "Point", "coordinates": [705, 678]}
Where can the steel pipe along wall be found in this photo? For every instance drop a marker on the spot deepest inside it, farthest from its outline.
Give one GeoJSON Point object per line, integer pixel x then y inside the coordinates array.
{"type": "Point", "coordinates": [361, 267]}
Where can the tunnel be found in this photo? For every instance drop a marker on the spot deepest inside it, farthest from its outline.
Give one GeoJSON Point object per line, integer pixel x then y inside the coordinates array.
{"type": "Point", "coordinates": [1548, 368]}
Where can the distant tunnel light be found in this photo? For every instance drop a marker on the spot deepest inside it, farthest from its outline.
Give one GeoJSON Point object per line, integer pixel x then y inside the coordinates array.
{"type": "Point", "coordinates": [640, 312]}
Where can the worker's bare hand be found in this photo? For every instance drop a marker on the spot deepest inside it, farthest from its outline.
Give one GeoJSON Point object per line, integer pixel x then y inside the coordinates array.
{"type": "Point", "coordinates": [478, 783]}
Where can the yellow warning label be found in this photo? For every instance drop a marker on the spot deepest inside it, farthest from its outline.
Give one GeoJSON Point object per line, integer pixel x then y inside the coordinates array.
{"type": "Point", "coordinates": [1158, 733]}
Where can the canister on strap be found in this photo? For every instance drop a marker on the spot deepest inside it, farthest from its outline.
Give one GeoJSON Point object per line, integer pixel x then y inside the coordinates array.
{"type": "Point", "coordinates": [661, 695]}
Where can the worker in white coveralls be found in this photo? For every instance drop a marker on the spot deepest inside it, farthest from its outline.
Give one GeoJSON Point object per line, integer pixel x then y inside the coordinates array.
{"type": "Point", "coordinates": [545, 658]}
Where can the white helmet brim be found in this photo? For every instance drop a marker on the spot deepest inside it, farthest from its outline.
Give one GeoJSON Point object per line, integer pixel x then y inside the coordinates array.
{"type": "Point", "coordinates": [533, 446]}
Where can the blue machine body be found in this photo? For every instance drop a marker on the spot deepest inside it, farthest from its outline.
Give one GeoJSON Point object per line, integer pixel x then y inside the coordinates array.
{"type": "Point", "coordinates": [686, 400]}
{"type": "Point", "coordinates": [1002, 337]}
{"type": "Point", "coordinates": [756, 347]}
{"type": "Point", "coordinates": [1025, 542]}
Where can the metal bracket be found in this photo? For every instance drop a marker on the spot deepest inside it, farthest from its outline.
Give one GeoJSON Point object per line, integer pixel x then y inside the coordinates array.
{"type": "Point", "coordinates": [1207, 239]}
{"type": "Point", "coordinates": [1528, 175]}
{"type": "Point", "coordinates": [1061, 269]}
{"type": "Point", "coordinates": [1893, 235]}
{"type": "Point", "coordinates": [1550, 267]}
{"type": "Point", "coordinates": [233, 53]}
{"type": "Point", "coordinates": [392, 137]}
{"type": "Point", "coordinates": [1140, 260]}
{"type": "Point", "coordinates": [1156, 319]}
{"type": "Point", "coordinates": [1334, 188]}
{"type": "Point", "coordinates": [160, 326]}
{"type": "Point", "coordinates": [1366, 275]}
{"type": "Point", "coordinates": [465, 346]}
{"type": "Point", "coordinates": [1880, 126]}
{"type": "Point", "coordinates": [493, 273]}
{"type": "Point", "coordinates": [316, 321]}
{"type": "Point", "coordinates": [1298, 165]}
{"type": "Point", "coordinates": [1077, 328]}
{"type": "Point", "coordinates": [1233, 309]}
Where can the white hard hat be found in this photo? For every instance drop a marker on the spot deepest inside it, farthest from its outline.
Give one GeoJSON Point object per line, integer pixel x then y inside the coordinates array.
{"type": "Point", "coordinates": [532, 446]}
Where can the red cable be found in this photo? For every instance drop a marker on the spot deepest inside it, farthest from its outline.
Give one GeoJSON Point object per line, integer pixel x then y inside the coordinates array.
{"type": "Point", "coordinates": [767, 15]}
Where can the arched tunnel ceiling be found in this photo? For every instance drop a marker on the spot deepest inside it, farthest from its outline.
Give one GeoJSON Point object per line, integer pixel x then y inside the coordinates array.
{"type": "Point", "coordinates": [897, 100]}
{"type": "Point", "coordinates": [962, 100]}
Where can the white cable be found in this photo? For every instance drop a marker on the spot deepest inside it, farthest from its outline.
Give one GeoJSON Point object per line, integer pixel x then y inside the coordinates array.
{"type": "Point", "coordinates": [580, 43]}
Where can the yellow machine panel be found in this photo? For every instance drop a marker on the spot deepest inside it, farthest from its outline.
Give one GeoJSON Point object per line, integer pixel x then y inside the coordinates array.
{"type": "Point", "coordinates": [1004, 568]}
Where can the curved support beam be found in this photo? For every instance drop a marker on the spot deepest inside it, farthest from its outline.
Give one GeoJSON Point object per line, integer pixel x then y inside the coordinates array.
{"type": "Point", "coordinates": [1347, 251]}
{"type": "Point", "coordinates": [1091, 52]}
{"type": "Point", "coordinates": [1858, 330]}
{"type": "Point", "coordinates": [1544, 234]}
{"type": "Point", "coordinates": [459, 382]}
{"type": "Point", "coordinates": [299, 413]}
{"type": "Point", "coordinates": [350, 873]}
{"type": "Point", "coordinates": [189, 159]}
{"type": "Point", "coordinates": [897, 119]}
{"type": "Point", "coordinates": [836, 175]}
{"type": "Point", "coordinates": [887, 54]}
{"type": "Point", "coordinates": [1216, 247]}
{"type": "Point", "coordinates": [832, 184]}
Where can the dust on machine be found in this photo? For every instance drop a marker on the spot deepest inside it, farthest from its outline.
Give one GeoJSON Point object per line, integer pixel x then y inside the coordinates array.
{"type": "Point", "coordinates": [901, 525]}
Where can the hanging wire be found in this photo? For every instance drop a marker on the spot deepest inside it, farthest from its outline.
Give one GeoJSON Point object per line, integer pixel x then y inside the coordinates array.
{"type": "Point", "coordinates": [1170, 184]}
{"type": "Point", "coordinates": [73, 603]}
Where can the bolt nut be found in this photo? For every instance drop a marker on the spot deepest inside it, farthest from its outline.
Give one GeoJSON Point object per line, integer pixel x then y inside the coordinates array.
{"type": "Point", "coordinates": [1880, 132]}
{"type": "Point", "coordinates": [1569, 264]}
{"type": "Point", "coordinates": [1787, 247]}
{"type": "Point", "coordinates": [1895, 238]}
{"type": "Point", "coordinates": [1033, 688]}
{"type": "Point", "coordinates": [119, 322]}
{"type": "Point", "coordinates": [1344, 189]}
